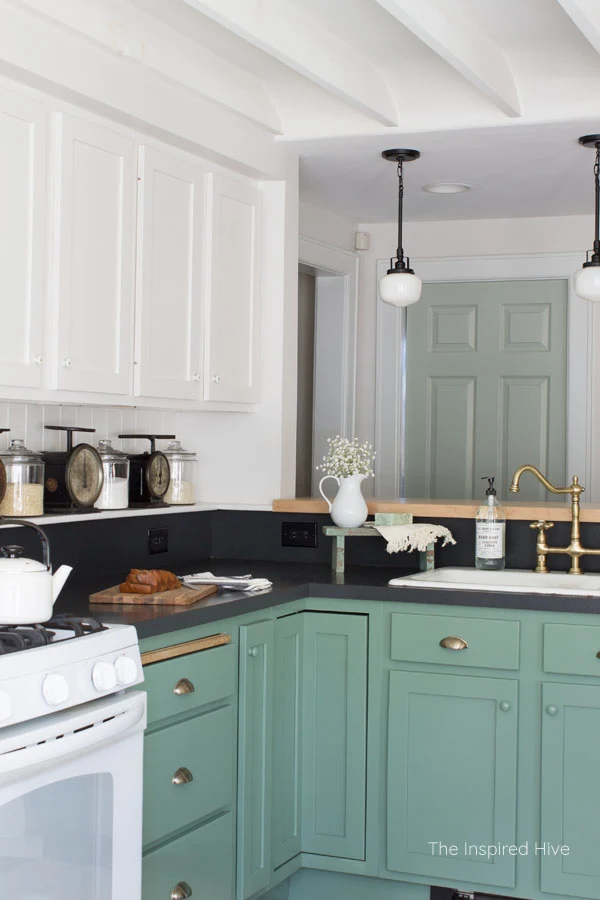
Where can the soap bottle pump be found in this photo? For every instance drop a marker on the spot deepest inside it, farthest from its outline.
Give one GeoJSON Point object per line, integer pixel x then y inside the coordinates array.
{"type": "Point", "coordinates": [490, 528]}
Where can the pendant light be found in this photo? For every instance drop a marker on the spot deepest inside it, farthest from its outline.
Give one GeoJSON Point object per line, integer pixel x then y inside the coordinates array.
{"type": "Point", "coordinates": [586, 280]}
{"type": "Point", "coordinates": [400, 286]}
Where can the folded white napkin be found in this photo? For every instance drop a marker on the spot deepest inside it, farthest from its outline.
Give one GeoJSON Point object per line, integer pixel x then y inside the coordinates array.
{"type": "Point", "coordinates": [229, 582]}
{"type": "Point", "coordinates": [414, 536]}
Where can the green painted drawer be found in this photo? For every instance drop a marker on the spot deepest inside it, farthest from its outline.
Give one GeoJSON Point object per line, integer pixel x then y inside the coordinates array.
{"type": "Point", "coordinates": [211, 674]}
{"type": "Point", "coordinates": [572, 649]}
{"type": "Point", "coordinates": [205, 747]}
{"type": "Point", "coordinates": [492, 643]}
{"type": "Point", "coordinates": [202, 859]}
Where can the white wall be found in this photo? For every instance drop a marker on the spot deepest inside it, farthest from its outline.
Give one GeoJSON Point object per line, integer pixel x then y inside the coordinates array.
{"type": "Point", "coordinates": [460, 238]}
{"type": "Point", "coordinates": [326, 227]}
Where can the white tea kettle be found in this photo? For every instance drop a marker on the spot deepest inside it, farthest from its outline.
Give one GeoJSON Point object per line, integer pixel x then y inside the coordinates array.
{"type": "Point", "coordinates": [28, 588]}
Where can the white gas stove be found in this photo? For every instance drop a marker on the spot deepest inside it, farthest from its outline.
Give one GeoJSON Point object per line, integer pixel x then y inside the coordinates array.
{"type": "Point", "coordinates": [65, 662]}
{"type": "Point", "coordinates": [71, 738]}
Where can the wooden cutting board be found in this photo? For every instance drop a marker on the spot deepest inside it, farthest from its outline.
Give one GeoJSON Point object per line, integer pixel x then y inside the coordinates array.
{"type": "Point", "coordinates": [183, 596]}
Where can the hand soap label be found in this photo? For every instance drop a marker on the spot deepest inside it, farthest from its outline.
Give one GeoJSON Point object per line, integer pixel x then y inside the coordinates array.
{"type": "Point", "coordinates": [489, 540]}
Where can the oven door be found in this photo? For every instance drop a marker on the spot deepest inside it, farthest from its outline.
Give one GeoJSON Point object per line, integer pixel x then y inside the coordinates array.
{"type": "Point", "coordinates": [71, 803]}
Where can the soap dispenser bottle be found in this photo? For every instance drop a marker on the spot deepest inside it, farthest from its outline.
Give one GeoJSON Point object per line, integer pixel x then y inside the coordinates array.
{"type": "Point", "coordinates": [490, 528]}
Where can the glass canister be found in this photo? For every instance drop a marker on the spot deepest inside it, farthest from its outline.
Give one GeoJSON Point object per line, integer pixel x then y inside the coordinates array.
{"type": "Point", "coordinates": [24, 481]}
{"type": "Point", "coordinates": [181, 487]}
{"type": "Point", "coordinates": [115, 465]}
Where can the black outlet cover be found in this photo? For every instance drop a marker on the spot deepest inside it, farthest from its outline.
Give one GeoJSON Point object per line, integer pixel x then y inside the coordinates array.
{"type": "Point", "coordinates": [299, 534]}
{"type": "Point", "coordinates": [158, 540]}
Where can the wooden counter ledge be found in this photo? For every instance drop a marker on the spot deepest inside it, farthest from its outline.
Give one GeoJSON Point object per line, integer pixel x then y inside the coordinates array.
{"type": "Point", "coordinates": [451, 509]}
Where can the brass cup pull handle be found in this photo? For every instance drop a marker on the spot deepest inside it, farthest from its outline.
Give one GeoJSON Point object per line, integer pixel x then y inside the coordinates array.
{"type": "Point", "coordinates": [598, 655]}
{"type": "Point", "coordinates": [184, 686]}
{"type": "Point", "coordinates": [182, 776]}
{"type": "Point", "coordinates": [454, 643]}
{"type": "Point", "coordinates": [181, 891]}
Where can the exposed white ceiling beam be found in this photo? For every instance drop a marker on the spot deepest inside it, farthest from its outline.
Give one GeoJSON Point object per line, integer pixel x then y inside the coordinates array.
{"type": "Point", "coordinates": [585, 14]}
{"type": "Point", "coordinates": [286, 33]}
{"type": "Point", "coordinates": [461, 44]}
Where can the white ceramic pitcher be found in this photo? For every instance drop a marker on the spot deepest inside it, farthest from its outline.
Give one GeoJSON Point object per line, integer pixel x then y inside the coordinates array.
{"type": "Point", "coordinates": [348, 509]}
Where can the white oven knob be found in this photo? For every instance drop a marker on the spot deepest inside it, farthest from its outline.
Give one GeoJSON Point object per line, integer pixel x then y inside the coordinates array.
{"type": "Point", "coordinates": [104, 676]}
{"type": "Point", "coordinates": [5, 707]}
{"type": "Point", "coordinates": [55, 689]}
{"type": "Point", "coordinates": [126, 670]}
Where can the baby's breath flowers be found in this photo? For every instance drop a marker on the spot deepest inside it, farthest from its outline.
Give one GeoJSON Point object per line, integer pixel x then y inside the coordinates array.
{"type": "Point", "coordinates": [346, 457]}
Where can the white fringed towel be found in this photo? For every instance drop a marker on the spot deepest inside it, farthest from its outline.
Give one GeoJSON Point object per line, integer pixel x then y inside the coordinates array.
{"type": "Point", "coordinates": [413, 537]}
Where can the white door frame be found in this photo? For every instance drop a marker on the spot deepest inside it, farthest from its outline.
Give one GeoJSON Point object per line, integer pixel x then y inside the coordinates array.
{"type": "Point", "coordinates": [583, 363]}
{"type": "Point", "coordinates": [329, 260]}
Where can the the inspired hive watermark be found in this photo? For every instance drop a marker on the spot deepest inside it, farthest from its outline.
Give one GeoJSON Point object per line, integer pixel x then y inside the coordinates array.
{"type": "Point", "coordinates": [489, 851]}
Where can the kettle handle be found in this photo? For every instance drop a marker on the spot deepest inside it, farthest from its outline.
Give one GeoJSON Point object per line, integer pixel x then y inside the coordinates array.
{"type": "Point", "coordinates": [5, 520]}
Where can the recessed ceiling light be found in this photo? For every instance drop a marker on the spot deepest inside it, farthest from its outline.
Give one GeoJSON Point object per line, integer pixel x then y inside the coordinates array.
{"type": "Point", "coordinates": [447, 187]}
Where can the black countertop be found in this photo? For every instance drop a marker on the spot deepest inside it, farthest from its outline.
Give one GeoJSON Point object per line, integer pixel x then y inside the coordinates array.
{"type": "Point", "coordinates": [294, 582]}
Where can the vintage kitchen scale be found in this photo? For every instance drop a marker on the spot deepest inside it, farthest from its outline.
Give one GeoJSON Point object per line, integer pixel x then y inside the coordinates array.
{"type": "Point", "coordinates": [73, 477]}
{"type": "Point", "coordinates": [149, 473]}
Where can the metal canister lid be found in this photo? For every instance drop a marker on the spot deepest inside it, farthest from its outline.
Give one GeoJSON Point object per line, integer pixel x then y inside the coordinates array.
{"type": "Point", "coordinates": [108, 452]}
{"type": "Point", "coordinates": [174, 450]}
{"type": "Point", "coordinates": [17, 452]}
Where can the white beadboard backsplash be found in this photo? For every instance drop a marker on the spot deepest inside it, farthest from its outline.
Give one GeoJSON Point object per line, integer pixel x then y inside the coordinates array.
{"type": "Point", "coordinates": [27, 420]}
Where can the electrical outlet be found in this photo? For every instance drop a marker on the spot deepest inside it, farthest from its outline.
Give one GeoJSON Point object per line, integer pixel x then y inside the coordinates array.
{"type": "Point", "coordinates": [158, 540]}
{"type": "Point", "coordinates": [298, 534]}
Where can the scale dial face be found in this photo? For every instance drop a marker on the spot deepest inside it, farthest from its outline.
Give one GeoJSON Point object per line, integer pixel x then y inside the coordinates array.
{"type": "Point", "coordinates": [83, 475]}
{"type": "Point", "coordinates": [157, 474]}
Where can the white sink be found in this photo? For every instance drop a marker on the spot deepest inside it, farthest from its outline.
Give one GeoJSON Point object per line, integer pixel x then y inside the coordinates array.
{"type": "Point", "coordinates": [507, 580]}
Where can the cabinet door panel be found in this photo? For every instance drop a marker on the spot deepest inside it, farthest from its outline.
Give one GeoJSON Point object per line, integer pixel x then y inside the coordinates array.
{"type": "Point", "coordinates": [254, 758]}
{"type": "Point", "coordinates": [22, 238]}
{"type": "Point", "coordinates": [451, 776]}
{"type": "Point", "coordinates": [570, 790]}
{"type": "Point", "coordinates": [232, 357]}
{"type": "Point", "coordinates": [170, 274]}
{"type": "Point", "coordinates": [287, 758]}
{"type": "Point", "coordinates": [334, 735]}
{"type": "Point", "coordinates": [94, 258]}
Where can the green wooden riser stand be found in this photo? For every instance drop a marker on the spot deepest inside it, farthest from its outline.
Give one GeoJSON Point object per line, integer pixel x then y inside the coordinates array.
{"type": "Point", "coordinates": [338, 555]}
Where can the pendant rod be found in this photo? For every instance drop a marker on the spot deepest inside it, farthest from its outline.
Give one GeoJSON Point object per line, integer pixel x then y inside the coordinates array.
{"type": "Point", "coordinates": [400, 249]}
{"type": "Point", "coordinates": [596, 253]}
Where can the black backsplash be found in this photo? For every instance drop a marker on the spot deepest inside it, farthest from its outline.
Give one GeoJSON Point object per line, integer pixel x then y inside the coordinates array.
{"type": "Point", "coordinates": [110, 547]}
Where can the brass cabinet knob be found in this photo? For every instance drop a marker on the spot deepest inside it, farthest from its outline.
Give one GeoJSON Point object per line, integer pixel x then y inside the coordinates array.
{"type": "Point", "coordinates": [184, 686]}
{"type": "Point", "coordinates": [552, 710]}
{"type": "Point", "coordinates": [182, 776]}
{"type": "Point", "coordinates": [181, 891]}
{"type": "Point", "coordinates": [454, 643]}
{"type": "Point", "coordinates": [505, 706]}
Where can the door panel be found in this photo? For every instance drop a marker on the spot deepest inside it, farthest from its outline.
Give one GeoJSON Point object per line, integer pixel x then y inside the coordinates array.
{"type": "Point", "coordinates": [458, 792]}
{"type": "Point", "coordinates": [334, 735]}
{"type": "Point", "coordinates": [95, 258]}
{"type": "Point", "coordinates": [485, 386]}
{"type": "Point", "coordinates": [570, 790]}
{"type": "Point", "coordinates": [22, 237]}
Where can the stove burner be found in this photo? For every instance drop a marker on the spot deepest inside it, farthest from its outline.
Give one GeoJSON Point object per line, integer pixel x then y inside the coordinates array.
{"type": "Point", "coordinates": [22, 637]}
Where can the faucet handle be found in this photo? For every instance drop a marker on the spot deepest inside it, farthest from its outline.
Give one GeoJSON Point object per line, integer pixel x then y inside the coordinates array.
{"type": "Point", "coordinates": [542, 525]}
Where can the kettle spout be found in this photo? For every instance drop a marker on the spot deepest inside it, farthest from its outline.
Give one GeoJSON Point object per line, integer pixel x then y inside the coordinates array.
{"type": "Point", "coordinates": [58, 580]}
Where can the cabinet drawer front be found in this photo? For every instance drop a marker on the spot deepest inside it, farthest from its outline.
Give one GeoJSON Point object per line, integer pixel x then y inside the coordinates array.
{"type": "Point", "coordinates": [211, 674]}
{"type": "Point", "coordinates": [491, 643]}
{"type": "Point", "coordinates": [202, 748]}
{"type": "Point", "coordinates": [203, 860]}
{"type": "Point", "coordinates": [572, 649]}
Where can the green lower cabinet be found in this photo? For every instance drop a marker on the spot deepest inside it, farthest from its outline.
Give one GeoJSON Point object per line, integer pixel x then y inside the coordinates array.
{"type": "Point", "coordinates": [334, 734]}
{"type": "Point", "coordinates": [451, 776]}
{"type": "Point", "coordinates": [287, 757]}
{"type": "Point", "coordinates": [198, 865]}
{"type": "Point", "coordinates": [257, 643]}
{"type": "Point", "coordinates": [570, 854]}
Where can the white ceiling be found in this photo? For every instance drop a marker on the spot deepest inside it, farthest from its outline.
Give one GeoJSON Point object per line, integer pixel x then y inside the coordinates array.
{"type": "Point", "coordinates": [493, 92]}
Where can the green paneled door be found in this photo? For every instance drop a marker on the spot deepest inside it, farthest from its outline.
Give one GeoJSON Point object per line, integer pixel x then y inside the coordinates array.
{"type": "Point", "coordinates": [334, 734]}
{"type": "Point", "coordinates": [570, 790]}
{"type": "Point", "coordinates": [254, 758]}
{"type": "Point", "coordinates": [485, 386]}
{"type": "Point", "coordinates": [287, 758]}
{"type": "Point", "coordinates": [451, 776]}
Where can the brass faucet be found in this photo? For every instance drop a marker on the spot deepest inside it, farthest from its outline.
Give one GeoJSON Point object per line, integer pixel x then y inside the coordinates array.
{"type": "Point", "coordinates": [575, 549]}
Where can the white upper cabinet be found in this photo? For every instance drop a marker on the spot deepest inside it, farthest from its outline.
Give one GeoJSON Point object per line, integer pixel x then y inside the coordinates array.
{"type": "Point", "coordinates": [22, 238]}
{"type": "Point", "coordinates": [232, 316]}
{"type": "Point", "coordinates": [170, 276]}
{"type": "Point", "coordinates": [94, 257]}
